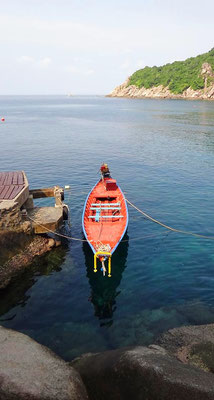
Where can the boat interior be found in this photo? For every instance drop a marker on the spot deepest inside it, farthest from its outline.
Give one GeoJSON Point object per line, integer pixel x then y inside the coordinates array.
{"type": "Point", "coordinates": [105, 209]}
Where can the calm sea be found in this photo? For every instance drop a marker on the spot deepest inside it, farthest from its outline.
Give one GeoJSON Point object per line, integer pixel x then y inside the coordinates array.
{"type": "Point", "coordinates": [161, 153]}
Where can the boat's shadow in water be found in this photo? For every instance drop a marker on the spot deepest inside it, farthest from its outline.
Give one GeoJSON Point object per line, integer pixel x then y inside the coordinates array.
{"type": "Point", "coordinates": [104, 290]}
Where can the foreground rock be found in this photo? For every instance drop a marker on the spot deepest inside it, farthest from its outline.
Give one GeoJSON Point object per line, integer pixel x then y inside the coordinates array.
{"type": "Point", "coordinates": [191, 344]}
{"type": "Point", "coordinates": [38, 246]}
{"type": "Point", "coordinates": [30, 371]}
{"type": "Point", "coordinates": [142, 373]}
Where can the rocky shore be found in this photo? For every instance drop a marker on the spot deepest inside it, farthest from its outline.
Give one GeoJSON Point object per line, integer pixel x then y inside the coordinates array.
{"type": "Point", "coordinates": [161, 92]}
{"type": "Point", "coordinates": [193, 345]}
{"type": "Point", "coordinates": [178, 366]}
{"type": "Point", "coordinates": [26, 249]}
{"type": "Point", "coordinates": [31, 371]}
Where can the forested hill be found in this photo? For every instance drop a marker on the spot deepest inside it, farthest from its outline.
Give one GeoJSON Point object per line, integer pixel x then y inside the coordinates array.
{"type": "Point", "coordinates": [178, 76]}
{"type": "Point", "coordinates": [193, 77]}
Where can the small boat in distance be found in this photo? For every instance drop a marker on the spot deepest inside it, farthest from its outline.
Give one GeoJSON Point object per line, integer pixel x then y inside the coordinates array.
{"type": "Point", "coordinates": [105, 218]}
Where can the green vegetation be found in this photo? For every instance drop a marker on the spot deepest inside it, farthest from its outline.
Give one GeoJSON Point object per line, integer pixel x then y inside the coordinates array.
{"type": "Point", "coordinates": [178, 76]}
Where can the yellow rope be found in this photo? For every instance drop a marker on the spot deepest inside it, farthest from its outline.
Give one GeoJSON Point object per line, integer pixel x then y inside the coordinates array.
{"type": "Point", "coordinates": [144, 237]}
{"type": "Point", "coordinates": [169, 227]}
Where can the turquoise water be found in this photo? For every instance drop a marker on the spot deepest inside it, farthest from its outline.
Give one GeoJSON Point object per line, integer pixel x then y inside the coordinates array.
{"type": "Point", "coordinates": [161, 153]}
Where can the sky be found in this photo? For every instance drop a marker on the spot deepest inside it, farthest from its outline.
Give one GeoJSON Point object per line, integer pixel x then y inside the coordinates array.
{"type": "Point", "coordinates": [92, 46]}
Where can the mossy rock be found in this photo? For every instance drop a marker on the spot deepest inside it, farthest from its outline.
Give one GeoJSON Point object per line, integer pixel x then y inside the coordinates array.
{"type": "Point", "coordinates": [202, 356]}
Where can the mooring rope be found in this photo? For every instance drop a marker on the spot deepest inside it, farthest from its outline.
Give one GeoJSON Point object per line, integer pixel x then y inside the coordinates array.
{"type": "Point", "coordinates": [169, 227]}
{"type": "Point", "coordinates": [56, 233]}
{"type": "Point", "coordinates": [85, 240]}
{"type": "Point", "coordinates": [131, 239]}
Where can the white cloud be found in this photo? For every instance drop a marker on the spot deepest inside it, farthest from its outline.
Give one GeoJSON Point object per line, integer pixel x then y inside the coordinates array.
{"type": "Point", "coordinates": [41, 62]}
{"type": "Point", "coordinates": [126, 51]}
{"type": "Point", "coordinates": [44, 62]}
{"type": "Point", "coordinates": [71, 69]}
{"type": "Point", "coordinates": [81, 70]}
{"type": "Point", "coordinates": [89, 72]}
{"type": "Point", "coordinates": [71, 35]}
{"type": "Point", "coordinates": [26, 60]}
{"type": "Point", "coordinates": [78, 45]}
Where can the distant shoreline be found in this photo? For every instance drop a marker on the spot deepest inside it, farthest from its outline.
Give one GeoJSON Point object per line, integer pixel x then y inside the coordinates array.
{"type": "Point", "coordinates": [160, 92]}
{"type": "Point", "coordinates": [159, 98]}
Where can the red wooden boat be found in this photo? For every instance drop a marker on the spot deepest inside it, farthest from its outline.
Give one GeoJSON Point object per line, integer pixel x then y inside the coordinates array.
{"type": "Point", "coordinates": [105, 219]}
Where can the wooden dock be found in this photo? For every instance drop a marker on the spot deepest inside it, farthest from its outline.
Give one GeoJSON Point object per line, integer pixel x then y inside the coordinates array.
{"type": "Point", "coordinates": [17, 204]}
{"type": "Point", "coordinates": [14, 187]}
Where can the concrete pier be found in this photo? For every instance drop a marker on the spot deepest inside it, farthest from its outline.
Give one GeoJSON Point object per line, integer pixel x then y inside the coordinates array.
{"type": "Point", "coordinates": [17, 209]}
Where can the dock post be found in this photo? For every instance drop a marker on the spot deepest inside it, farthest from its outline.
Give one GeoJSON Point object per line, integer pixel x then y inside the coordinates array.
{"type": "Point", "coordinates": [59, 196]}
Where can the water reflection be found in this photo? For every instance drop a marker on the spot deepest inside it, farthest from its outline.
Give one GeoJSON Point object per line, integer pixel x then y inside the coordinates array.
{"type": "Point", "coordinates": [16, 294]}
{"type": "Point", "coordinates": [104, 290]}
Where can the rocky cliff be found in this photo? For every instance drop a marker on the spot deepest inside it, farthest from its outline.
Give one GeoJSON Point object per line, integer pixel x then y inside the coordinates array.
{"type": "Point", "coordinates": [160, 91]}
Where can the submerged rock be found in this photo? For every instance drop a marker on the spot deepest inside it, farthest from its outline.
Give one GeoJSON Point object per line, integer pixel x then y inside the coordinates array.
{"type": "Point", "coordinates": [17, 292]}
{"type": "Point", "coordinates": [31, 371]}
{"type": "Point", "coordinates": [142, 373]}
{"type": "Point", "coordinates": [130, 331]}
{"type": "Point", "coordinates": [142, 328]}
{"type": "Point", "coordinates": [38, 246]}
{"type": "Point", "coordinates": [196, 313]}
{"type": "Point", "coordinates": [70, 339]}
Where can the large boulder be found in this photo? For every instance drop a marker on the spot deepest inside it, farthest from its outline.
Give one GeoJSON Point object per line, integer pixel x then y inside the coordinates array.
{"type": "Point", "coordinates": [142, 373]}
{"type": "Point", "coordinates": [29, 371]}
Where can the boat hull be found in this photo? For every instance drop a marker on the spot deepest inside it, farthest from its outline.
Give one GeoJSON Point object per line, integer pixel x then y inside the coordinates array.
{"type": "Point", "coordinates": [105, 216]}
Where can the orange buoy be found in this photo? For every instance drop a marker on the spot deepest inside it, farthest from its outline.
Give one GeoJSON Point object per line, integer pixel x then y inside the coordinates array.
{"type": "Point", "coordinates": [2, 119]}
